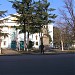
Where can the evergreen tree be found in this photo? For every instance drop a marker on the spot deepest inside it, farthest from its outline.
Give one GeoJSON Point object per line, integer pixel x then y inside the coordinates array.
{"type": "Point", "coordinates": [33, 15]}
{"type": "Point", "coordinates": [2, 14]}
{"type": "Point", "coordinates": [25, 9]}
{"type": "Point", "coordinates": [43, 14]}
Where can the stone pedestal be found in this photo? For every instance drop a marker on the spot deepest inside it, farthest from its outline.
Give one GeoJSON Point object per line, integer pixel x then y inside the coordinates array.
{"type": "Point", "coordinates": [45, 40]}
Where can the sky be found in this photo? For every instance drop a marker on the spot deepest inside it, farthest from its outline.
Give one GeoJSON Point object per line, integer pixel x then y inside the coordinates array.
{"type": "Point", "coordinates": [5, 5]}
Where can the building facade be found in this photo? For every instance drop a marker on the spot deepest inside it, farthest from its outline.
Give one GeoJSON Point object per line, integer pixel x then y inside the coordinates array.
{"type": "Point", "coordinates": [13, 34]}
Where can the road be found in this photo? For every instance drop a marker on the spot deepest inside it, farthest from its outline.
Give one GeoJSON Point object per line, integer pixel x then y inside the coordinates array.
{"type": "Point", "coordinates": [61, 64]}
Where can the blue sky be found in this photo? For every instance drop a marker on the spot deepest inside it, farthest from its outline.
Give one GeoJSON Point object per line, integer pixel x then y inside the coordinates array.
{"type": "Point", "coordinates": [5, 5]}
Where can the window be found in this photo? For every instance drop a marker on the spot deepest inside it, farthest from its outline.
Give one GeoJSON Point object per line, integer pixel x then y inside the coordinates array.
{"type": "Point", "coordinates": [36, 43]}
{"type": "Point", "coordinates": [36, 37]}
{"type": "Point", "coordinates": [4, 37]}
{"type": "Point", "coordinates": [4, 42]}
{"type": "Point", "coordinates": [44, 26]}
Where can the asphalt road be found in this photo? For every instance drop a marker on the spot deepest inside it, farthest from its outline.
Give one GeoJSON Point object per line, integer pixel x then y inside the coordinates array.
{"type": "Point", "coordinates": [62, 64]}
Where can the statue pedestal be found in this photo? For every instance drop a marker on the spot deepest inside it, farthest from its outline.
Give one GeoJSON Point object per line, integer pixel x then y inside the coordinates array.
{"type": "Point", "coordinates": [45, 40]}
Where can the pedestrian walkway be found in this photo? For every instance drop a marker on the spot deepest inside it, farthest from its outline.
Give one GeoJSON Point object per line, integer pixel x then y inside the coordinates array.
{"type": "Point", "coordinates": [9, 52]}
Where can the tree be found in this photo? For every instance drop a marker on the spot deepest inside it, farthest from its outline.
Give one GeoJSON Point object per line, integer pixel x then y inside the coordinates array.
{"type": "Point", "coordinates": [24, 9]}
{"type": "Point", "coordinates": [56, 37]}
{"type": "Point", "coordinates": [2, 13]}
{"type": "Point", "coordinates": [64, 35]}
{"type": "Point", "coordinates": [68, 17]}
{"type": "Point", "coordinates": [43, 14]}
{"type": "Point", "coordinates": [33, 15]}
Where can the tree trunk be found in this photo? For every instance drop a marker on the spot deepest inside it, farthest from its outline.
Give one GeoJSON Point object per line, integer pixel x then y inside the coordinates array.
{"type": "Point", "coordinates": [62, 46]}
{"type": "Point", "coordinates": [27, 40]}
{"type": "Point", "coordinates": [17, 43]}
{"type": "Point", "coordinates": [41, 39]}
{"type": "Point", "coordinates": [25, 45]}
{"type": "Point", "coordinates": [74, 30]}
{"type": "Point", "coordinates": [0, 47]}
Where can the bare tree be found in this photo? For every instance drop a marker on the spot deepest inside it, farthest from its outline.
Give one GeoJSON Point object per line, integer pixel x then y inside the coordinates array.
{"type": "Point", "coordinates": [67, 23]}
{"type": "Point", "coordinates": [61, 34]}
{"type": "Point", "coordinates": [64, 35]}
{"type": "Point", "coordinates": [68, 15]}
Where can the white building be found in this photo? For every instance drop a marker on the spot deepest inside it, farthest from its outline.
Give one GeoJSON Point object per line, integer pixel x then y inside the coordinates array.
{"type": "Point", "coordinates": [14, 35]}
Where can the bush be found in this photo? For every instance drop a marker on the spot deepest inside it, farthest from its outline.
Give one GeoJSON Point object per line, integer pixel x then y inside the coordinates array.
{"type": "Point", "coordinates": [72, 48]}
{"type": "Point", "coordinates": [30, 44]}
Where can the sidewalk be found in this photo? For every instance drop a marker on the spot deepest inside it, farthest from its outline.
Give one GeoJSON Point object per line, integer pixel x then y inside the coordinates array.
{"type": "Point", "coordinates": [9, 52]}
{"type": "Point", "coordinates": [14, 52]}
